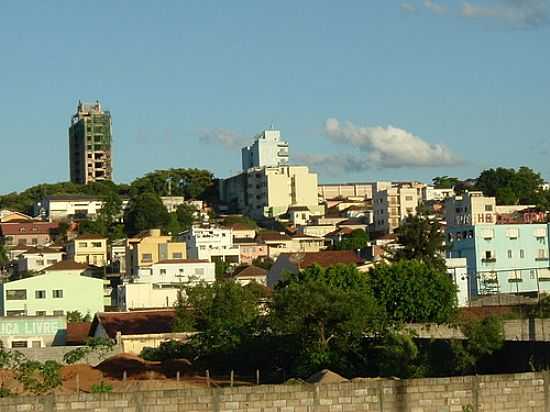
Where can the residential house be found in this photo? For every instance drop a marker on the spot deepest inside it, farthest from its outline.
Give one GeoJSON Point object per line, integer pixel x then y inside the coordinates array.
{"type": "Point", "coordinates": [13, 216]}
{"type": "Point", "coordinates": [140, 296]}
{"type": "Point", "coordinates": [295, 262]}
{"type": "Point", "coordinates": [251, 250]}
{"type": "Point", "coordinates": [58, 208]}
{"type": "Point", "coordinates": [277, 243]}
{"type": "Point", "coordinates": [471, 208]}
{"type": "Point", "coordinates": [136, 330]}
{"type": "Point", "coordinates": [88, 249]}
{"type": "Point", "coordinates": [149, 247]}
{"type": "Point", "coordinates": [251, 274]}
{"type": "Point", "coordinates": [211, 244]}
{"type": "Point", "coordinates": [51, 293]}
{"type": "Point", "coordinates": [242, 231]}
{"type": "Point", "coordinates": [299, 215]}
{"type": "Point", "coordinates": [178, 272]}
{"type": "Point", "coordinates": [171, 203]}
{"type": "Point", "coordinates": [23, 233]}
{"type": "Point", "coordinates": [306, 243]}
{"type": "Point", "coordinates": [34, 259]}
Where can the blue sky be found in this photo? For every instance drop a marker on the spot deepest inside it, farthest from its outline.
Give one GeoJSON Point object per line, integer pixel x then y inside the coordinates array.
{"type": "Point", "coordinates": [362, 90]}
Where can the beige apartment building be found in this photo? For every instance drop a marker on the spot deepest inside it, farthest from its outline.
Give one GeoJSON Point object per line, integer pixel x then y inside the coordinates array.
{"type": "Point", "coordinates": [346, 190]}
{"type": "Point", "coordinates": [88, 249]}
{"type": "Point", "coordinates": [392, 205]}
{"type": "Point", "coordinates": [471, 208]}
{"type": "Point", "coordinates": [150, 247]}
{"type": "Point", "coordinates": [271, 191]}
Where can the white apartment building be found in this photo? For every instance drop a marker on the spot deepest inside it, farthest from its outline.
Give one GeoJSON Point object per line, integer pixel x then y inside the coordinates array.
{"type": "Point", "coordinates": [471, 208]}
{"type": "Point", "coordinates": [392, 205]}
{"type": "Point", "coordinates": [178, 271]}
{"type": "Point", "coordinates": [68, 207]}
{"type": "Point", "coordinates": [211, 244]}
{"type": "Point", "coordinates": [134, 296]}
{"type": "Point", "coordinates": [267, 150]}
{"type": "Point", "coordinates": [431, 193]}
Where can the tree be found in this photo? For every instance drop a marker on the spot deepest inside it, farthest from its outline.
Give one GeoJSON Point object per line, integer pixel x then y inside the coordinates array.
{"type": "Point", "coordinates": [4, 259]}
{"type": "Point", "coordinates": [185, 216]}
{"type": "Point", "coordinates": [76, 316]}
{"type": "Point", "coordinates": [511, 186]}
{"type": "Point", "coordinates": [422, 239]}
{"type": "Point", "coordinates": [483, 338]}
{"type": "Point", "coordinates": [190, 183]}
{"type": "Point", "coordinates": [445, 182]}
{"type": "Point", "coordinates": [358, 239]}
{"type": "Point", "coordinates": [145, 211]}
{"type": "Point", "coordinates": [413, 291]}
{"type": "Point", "coordinates": [328, 312]}
{"type": "Point", "coordinates": [224, 313]}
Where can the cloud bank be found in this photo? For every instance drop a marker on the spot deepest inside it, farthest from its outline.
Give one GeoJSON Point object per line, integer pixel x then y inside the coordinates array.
{"type": "Point", "coordinates": [435, 8]}
{"type": "Point", "coordinates": [519, 13]}
{"type": "Point", "coordinates": [223, 137]}
{"type": "Point", "coordinates": [408, 8]}
{"type": "Point", "coordinates": [390, 147]}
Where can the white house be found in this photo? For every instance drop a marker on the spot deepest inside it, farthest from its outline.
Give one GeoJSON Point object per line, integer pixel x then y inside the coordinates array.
{"type": "Point", "coordinates": [457, 269]}
{"type": "Point", "coordinates": [211, 244]}
{"type": "Point", "coordinates": [178, 271]}
{"type": "Point", "coordinates": [133, 296]}
{"type": "Point", "coordinates": [67, 207]}
{"type": "Point", "coordinates": [35, 259]}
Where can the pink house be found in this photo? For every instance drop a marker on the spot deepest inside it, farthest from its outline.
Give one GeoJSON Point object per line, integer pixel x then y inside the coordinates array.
{"type": "Point", "coordinates": [251, 250]}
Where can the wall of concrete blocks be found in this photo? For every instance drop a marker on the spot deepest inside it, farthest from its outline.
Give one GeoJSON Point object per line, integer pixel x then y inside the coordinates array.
{"type": "Point", "coordinates": [517, 392]}
{"type": "Point", "coordinates": [56, 353]}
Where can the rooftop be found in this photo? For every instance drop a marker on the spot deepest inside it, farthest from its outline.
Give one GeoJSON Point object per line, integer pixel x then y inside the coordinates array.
{"type": "Point", "coordinates": [181, 261]}
{"type": "Point", "coordinates": [135, 323]}
{"type": "Point", "coordinates": [251, 271]}
{"type": "Point", "coordinates": [325, 258]}
{"type": "Point", "coordinates": [66, 265]}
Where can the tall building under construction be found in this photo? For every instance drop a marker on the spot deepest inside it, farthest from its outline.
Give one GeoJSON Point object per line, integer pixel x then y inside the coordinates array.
{"type": "Point", "coordinates": [90, 144]}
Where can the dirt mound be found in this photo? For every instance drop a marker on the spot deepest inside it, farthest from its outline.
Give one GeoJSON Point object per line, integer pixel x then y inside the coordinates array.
{"type": "Point", "coordinates": [135, 367]}
{"type": "Point", "coordinates": [87, 376]}
{"type": "Point", "coordinates": [324, 377]}
{"type": "Point", "coordinates": [8, 381]}
{"type": "Point", "coordinates": [171, 367]}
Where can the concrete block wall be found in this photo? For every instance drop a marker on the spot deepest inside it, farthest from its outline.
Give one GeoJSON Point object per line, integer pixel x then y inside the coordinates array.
{"type": "Point", "coordinates": [518, 392]}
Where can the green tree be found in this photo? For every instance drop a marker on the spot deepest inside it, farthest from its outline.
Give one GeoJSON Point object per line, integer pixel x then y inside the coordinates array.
{"type": "Point", "coordinates": [145, 211]}
{"type": "Point", "coordinates": [421, 238]}
{"type": "Point", "coordinates": [358, 239]}
{"type": "Point", "coordinates": [190, 183]}
{"type": "Point", "coordinates": [328, 312]}
{"type": "Point", "coordinates": [445, 182]}
{"type": "Point", "coordinates": [4, 259]}
{"type": "Point", "coordinates": [75, 316]}
{"type": "Point", "coordinates": [224, 313]}
{"type": "Point", "coordinates": [186, 216]}
{"type": "Point", "coordinates": [483, 338]}
{"type": "Point", "coordinates": [511, 186]}
{"type": "Point", "coordinates": [413, 291]}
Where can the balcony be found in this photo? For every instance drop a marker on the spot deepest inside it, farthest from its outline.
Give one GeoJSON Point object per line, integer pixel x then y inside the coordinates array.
{"type": "Point", "coordinates": [489, 260]}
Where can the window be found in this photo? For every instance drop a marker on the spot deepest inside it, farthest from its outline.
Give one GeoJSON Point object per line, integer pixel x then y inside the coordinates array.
{"type": "Point", "coordinates": [40, 294]}
{"type": "Point", "coordinates": [19, 344]}
{"type": "Point", "coordinates": [163, 271]}
{"type": "Point", "coordinates": [34, 241]}
{"type": "Point", "coordinates": [521, 253]}
{"type": "Point", "coordinates": [177, 256]}
{"type": "Point", "coordinates": [82, 244]}
{"type": "Point", "coordinates": [147, 257]}
{"type": "Point", "coordinates": [40, 262]}
{"type": "Point", "coordinates": [408, 198]}
{"type": "Point", "coordinates": [15, 313]}
{"type": "Point", "coordinates": [541, 254]}
{"type": "Point", "coordinates": [58, 313]}
{"type": "Point", "coordinates": [57, 293]}
{"type": "Point", "coordinates": [51, 261]}
{"type": "Point", "coordinates": [41, 313]}
{"type": "Point", "coordinates": [96, 244]}
{"type": "Point", "coordinates": [16, 294]}
{"type": "Point", "coordinates": [509, 254]}
{"type": "Point", "coordinates": [488, 208]}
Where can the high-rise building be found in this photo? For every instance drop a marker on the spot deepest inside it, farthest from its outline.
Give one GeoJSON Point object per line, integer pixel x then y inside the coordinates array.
{"type": "Point", "coordinates": [267, 150]}
{"type": "Point", "coordinates": [90, 144]}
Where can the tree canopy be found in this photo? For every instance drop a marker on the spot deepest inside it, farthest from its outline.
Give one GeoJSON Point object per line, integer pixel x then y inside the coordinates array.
{"type": "Point", "coordinates": [509, 186]}
{"type": "Point", "coordinates": [445, 182]}
{"type": "Point", "coordinates": [145, 211]}
{"type": "Point", "coordinates": [358, 239]}
{"type": "Point", "coordinates": [413, 291]}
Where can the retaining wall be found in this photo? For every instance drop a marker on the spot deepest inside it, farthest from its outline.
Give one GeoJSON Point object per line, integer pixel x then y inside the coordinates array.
{"type": "Point", "coordinates": [517, 392]}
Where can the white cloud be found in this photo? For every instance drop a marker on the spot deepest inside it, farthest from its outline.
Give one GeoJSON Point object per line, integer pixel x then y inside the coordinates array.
{"type": "Point", "coordinates": [518, 13]}
{"type": "Point", "coordinates": [390, 147]}
{"type": "Point", "coordinates": [407, 8]}
{"type": "Point", "coordinates": [435, 8]}
{"type": "Point", "coordinates": [223, 137]}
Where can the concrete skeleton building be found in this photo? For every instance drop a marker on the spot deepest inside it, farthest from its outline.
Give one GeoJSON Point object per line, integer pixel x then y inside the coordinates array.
{"type": "Point", "coordinates": [90, 141]}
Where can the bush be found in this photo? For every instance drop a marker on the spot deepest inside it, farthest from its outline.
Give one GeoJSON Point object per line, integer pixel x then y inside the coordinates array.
{"type": "Point", "coordinates": [39, 378]}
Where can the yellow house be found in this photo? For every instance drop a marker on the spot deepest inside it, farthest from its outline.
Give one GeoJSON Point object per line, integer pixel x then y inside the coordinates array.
{"type": "Point", "coordinates": [149, 247]}
{"type": "Point", "coordinates": [89, 249]}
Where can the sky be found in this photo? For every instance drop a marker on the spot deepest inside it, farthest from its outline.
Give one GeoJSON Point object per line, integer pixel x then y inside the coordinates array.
{"type": "Point", "coordinates": [362, 90]}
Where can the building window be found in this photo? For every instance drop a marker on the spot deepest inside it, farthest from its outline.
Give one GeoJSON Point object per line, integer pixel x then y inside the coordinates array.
{"type": "Point", "coordinates": [82, 244]}
{"type": "Point", "coordinates": [16, 294]}
{"type": "Point", "coordinates": [57, 294]}
{"type": "Point", "coordinates": [51, 261]}
{"type": "Point", "coordinates": [147, 257]}
{"type": "Point", "coordinates": [41, 313]}
{"type": "Point", "coordinates": [19, 344]}
{"type": "Point", "coordinates": [15, 313]}
{"type": "Point", "coordinates": [177, 255]}
{"type": "Point", "coordinates": [509, 254]}
{"type": "Point", "coordinates": [40, 262]}
{"type": "Point", "coordinates": [488, 208]}
{"type": "Point", "coordinates": [34, 241]}
{"type": "Point", "coordinates": [163, 271]}
{"type": "Point", "coordinates": [40, 294]}
{"type": "Point", "coordinates": [58, 313]}
{"type": "Point", "coordinates": [96, 244]}
{"type": "Point", "coordinates": [521, 253]}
